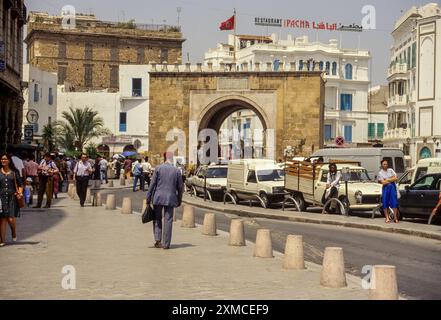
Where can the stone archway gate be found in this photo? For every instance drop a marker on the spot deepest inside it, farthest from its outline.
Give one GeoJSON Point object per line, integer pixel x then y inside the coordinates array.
{"type": "Point", "coordinates": [290, 103]}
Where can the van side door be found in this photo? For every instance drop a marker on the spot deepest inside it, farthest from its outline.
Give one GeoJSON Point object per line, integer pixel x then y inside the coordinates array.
{"type": "Point", "coordinates": [251, 186]}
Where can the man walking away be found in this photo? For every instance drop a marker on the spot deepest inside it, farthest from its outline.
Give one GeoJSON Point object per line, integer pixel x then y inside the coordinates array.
{"type": "Point", "coordinates": [146, 171]}
{"type": "Point", "coordinates": [165, 193]}
{"type": "Point", "coordinates": [103, 169]}
{"type": "Point", "coordinates": [82, 173]}
{"type": "Point", "coordinates": [137, 175]}
{"type": "Point", "coordinates": [118, 166]}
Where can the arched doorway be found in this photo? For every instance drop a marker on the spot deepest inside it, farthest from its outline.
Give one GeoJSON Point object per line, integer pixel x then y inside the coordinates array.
{"type": "Point", "coordinates": [104, 150]}
{"type": "Point", "coordinates": [240, 127]}
{"type": "Point", "coordinates": [129, 147]}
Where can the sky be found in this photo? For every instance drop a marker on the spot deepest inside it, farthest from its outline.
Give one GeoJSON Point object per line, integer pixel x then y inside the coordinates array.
{"type": "Point", "coordinates": [200, 20]}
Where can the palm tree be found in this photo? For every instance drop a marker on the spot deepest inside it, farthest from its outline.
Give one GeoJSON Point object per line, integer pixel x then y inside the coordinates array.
{"type": "Point", "coordinates": [49, 135]}
{"type": "Point", "coordinates": [82, 125]}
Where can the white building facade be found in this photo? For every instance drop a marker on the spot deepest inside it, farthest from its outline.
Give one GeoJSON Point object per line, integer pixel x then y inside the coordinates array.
{"type": "Point", "coordinates": [40, 95]}
{"type": "Point", "coordinates": [125, 113]}
{"type": "Point", "coordinates": [346, 74]}
{"type": "Point", "coordinates": [414, 76]}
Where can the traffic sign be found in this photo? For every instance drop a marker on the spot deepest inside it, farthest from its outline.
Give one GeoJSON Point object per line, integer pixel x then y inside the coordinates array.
{"type": "Point", "coordinates": [28, 133]}
{"type": "Point", "coordinates": [32, 116]}
{"type": "Point", "coordinates": [340, 141]}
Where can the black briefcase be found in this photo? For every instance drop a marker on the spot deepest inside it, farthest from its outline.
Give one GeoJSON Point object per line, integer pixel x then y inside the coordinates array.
{"type": "Point", "coordinates": [148, 214]}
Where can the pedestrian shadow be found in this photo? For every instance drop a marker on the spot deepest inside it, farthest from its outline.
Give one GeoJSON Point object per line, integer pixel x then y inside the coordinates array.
{"type": "Point", "coordinates": [181, 245]}
{"type": "Point", "coordinates": [24, 243]}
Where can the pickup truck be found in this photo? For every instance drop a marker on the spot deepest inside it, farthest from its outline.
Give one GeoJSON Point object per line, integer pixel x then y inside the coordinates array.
{"type": "Point", "coordinates": [306, 183]}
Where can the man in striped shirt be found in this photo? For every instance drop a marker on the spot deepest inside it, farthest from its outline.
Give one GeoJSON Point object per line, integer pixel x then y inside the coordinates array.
{"type": "Point", "coordinates": [82, 172]}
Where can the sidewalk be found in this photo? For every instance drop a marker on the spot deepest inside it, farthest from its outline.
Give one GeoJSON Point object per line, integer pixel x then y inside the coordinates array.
{"type": "Point", "coordinates": [113, 260]}
{"type": "Point", "coordinates": [243, 210]}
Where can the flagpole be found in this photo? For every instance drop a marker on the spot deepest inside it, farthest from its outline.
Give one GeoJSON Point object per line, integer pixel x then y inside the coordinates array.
{"type": "Point", "coordinates": [235, 23]}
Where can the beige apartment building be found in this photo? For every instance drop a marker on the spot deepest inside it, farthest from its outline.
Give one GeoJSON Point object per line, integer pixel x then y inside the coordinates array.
{"type": "Point", "coordinates": [87, 55]}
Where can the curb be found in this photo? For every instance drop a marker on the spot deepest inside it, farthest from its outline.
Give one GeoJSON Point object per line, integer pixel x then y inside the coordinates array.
{"type": "Point", "coordinates": [251, 214]}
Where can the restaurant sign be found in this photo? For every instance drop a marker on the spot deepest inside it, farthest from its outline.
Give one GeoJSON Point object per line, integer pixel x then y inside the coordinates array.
{"type": "Point", "coordinates": [305, 24]}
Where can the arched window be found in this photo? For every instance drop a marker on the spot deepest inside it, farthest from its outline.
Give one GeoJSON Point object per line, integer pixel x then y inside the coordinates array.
{"type": "Point", "coordinates": [334, 68]}
{"type": "Point", "coordinates": [348, 71]}
{"type": "Point", "coordinates": [328, 67]}
{"type": "Point", "coordinates": [425, 153]}
{"type": "Point", "coordinates": [321, 65]}
{"type": "Point", "coordinates": [300, 65]}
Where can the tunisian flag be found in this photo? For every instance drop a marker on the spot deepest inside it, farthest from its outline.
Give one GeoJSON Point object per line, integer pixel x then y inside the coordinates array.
{"type": "Point", "coordinates": [227, 25]}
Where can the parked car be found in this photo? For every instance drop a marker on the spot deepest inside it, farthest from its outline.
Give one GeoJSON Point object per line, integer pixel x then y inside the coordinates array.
{"type": "Point", "coordinates": [369, 158]}
{"type": "Point", "coordinates": [419, 199]}
{"type": "Point", "coordinates": [306, 182]}
{"type": "Point", "coordinates": [213, 178]}
{"type": "Point", "coordinates": [423, 167]}
{"type": "Point", "coordinates": [249, 179]}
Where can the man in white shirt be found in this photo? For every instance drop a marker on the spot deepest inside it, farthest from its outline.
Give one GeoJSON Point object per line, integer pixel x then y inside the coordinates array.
{"type": "Point", "coordinates": [82, 171]}
{"type": "Point", "coordinates": [103, 170]}
{"type": "Point", "coordinates": [332, 183]}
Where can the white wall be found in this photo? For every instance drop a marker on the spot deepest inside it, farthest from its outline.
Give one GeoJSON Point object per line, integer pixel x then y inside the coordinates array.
{"type": "Point", "coordinates": [44, 80]}
{"type": "Point", "coordinates": [107, 105]}
{"type": "Point", "coordinates": [127, 73]}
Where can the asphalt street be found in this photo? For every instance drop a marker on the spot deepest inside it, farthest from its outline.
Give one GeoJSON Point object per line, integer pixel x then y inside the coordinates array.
{"type": "Point", "coordinates": [418, 260]}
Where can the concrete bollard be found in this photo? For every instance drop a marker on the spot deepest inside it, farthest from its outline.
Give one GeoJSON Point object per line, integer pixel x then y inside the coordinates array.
{"type": "Point", "coordinates": [73, 192]}
{"type": "Point", "coordinates": [188, 217]}
{"type": "Point", "coordinates": [294, 259]}
{"type": "Point", "coordinates": [383, 283]}
{"type": "Point", "coordinates": [126, 206]}
{"type": "Point", "coordinates": [97, 184]}
{"type": "Point", "coordinates": [69, 189]}
{"type": "Point", "coordinates": [209, 228]}
{"type": "Point", "coordinates": [98, 200]}
{"type": "Point", "coordinates": [122, 181]}
{"type": "Point", "coordinates": [76, 197]}
{"type": "Point", "coordinates": [88, 196]}
{"type": "Point", "coordinates": [110, 202]}
{"type": "Point", "coordinates": [263, 247]}
{"type": "Point", "coordinates": [110, 184]}
{"type": "Point", "coordinates": [333, 270]}
{"type": "Point", "coordinates": [237, 233]}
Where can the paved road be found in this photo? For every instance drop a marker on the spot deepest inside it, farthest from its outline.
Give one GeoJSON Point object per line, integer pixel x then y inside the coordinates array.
{"type": "Point", "coordinates": [418, 260]}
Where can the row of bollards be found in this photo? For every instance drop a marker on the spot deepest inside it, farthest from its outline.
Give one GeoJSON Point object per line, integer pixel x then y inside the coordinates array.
{"type": "Point", "coordinates": [383, 282]}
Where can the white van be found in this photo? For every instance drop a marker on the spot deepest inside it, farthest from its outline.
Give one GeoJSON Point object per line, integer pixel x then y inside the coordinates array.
{"type": "Point", "coordinates": [423, 167]}
{"type": "Point", "coordinates": [248, 178]}
{"type": "Point", "coordinates": [370, 158]}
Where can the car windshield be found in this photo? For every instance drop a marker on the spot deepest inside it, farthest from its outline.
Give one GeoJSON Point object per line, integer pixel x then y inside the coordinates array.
{"type": "Point", "coordinates": [270, 175]}
{"type": "Point", "coordinates": [217, 173]}
{"type": "Point", "coordinates": [359, 175]}
{"type": "Point", "coordinates": [355, 175]}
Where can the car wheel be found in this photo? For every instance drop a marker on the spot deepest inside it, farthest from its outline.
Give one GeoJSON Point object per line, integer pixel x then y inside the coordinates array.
{"type": "Point", "coordinates": [299, 199]}
{"type": "Point", "coordinates": [265, 199]}
{"type": "Point", "coordinates": [235, 197]}
{"type": "Point", "coordinates": [346, 206]}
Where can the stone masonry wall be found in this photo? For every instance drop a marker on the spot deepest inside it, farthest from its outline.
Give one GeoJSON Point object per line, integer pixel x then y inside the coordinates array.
{"type": "Point", "coordinates": [300, 105]}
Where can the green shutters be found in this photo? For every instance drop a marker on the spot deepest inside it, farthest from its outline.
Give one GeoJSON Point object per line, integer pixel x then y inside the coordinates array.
{"type": "Point", "coordinates": [371, 131]}
{"type": "Point", "coordinates": [414, 55]}
{"type": "Point", "coordinates": [380, 130]}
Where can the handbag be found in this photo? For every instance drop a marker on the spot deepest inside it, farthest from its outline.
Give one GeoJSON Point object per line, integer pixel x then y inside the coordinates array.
{"type": "Point", "coordinates": [20, 199]}
{"type": "Point", "coordinates": [148, 215]}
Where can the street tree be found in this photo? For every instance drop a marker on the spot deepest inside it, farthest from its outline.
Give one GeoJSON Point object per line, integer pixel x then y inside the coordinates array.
{"type": "Point", "coordinates": [82, 125]}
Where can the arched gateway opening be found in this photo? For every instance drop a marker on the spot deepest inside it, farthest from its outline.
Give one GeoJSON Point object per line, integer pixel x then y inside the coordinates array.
{"type": "Point", "coordinates": [239, 126]}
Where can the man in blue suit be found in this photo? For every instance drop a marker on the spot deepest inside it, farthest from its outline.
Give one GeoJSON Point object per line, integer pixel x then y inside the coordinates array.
{"type": "Point", "coordinates": [166, 189]}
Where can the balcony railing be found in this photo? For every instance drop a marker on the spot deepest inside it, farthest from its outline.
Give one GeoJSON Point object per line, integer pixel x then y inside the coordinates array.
{"type": "Point", "coordinates": [396, 134]}
{"type": "Point", "coordinates": [397, 68]}
{"type": "Point", "coordinates": [398, 100]}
